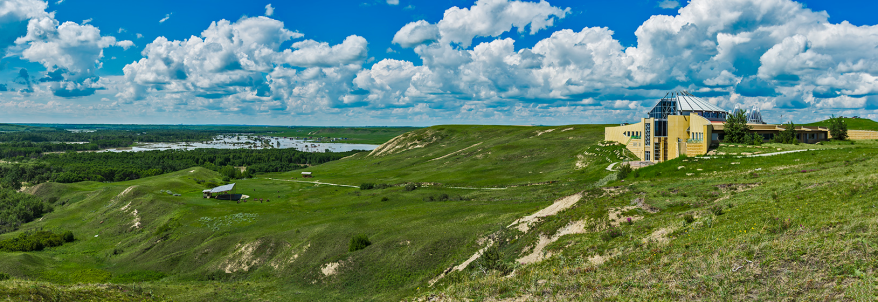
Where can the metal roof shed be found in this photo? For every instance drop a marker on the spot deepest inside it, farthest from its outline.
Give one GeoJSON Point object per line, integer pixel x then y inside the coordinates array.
{"type": "Point", "coordinates": [221, 189]}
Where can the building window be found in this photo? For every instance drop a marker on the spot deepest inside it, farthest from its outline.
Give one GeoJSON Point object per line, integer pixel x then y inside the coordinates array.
{"type": "Point", "coordinates": [657, 154]}
{"type": "Point", "coordinates": [646, 155]}
{"type": "Point", "coordinates": [647, 130]}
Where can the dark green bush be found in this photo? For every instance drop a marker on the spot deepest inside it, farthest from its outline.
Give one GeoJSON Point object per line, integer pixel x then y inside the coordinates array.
{"type": "Point", "coordinates": [359, 242]}
{"type": "Point", "coordinates": [411, 187]}
{"type": "Point", "coordinates": [68, 236]}
{"type": "Point", "coordinates": [4, 276]}
{"type": "Point", "coordinates": [385, 198]}
{"type": "Point", "coordinates": [492, 259]}
{"type": "Point", "coordinates": [367, 186]}
{"type": "Point", "coordinates": [688, 218]}
{"type": "Point", "coordinates": [34, 241]}
{"type": "Point", "coordinates": [623, 172]}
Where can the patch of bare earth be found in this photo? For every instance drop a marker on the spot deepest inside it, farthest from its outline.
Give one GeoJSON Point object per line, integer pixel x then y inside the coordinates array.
{"type": "Point", "coordinates": [523, 224]}
{"type": "Point", "coordinates": [538, 254]}
{"type": "Point", "coordinates": [331, 268]}
{"type": "Point", "coordinates": [640, 202]}
{"type": "Point", "coordinates": [660, 235]}
{"type": "Point", "coordinates": [287, 256]}
{"type": "Point", "coordinates": [455, 152]}
{"type": "Point", "coordinates": [405, 142]}
{"type": "Point", "coordinates": [544, 132]}
{"type": "Point", "coordinates": [244, 257]}
{"type": "Point", "coordinates": [616, 217]}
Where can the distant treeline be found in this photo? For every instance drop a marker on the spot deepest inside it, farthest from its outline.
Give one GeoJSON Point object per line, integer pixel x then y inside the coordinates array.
{"type": "Point", "coordinates": [109, 166]}
{"type": "Point", "coordinates": [33, 143]}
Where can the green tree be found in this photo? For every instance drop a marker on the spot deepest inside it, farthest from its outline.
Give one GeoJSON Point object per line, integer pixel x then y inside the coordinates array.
{"type": "Point", "coordinates": [788, 136]}
{"type": "Point", "coordinates": [736, 129]}
{"type": "Point", "coordinates": [838, 128]}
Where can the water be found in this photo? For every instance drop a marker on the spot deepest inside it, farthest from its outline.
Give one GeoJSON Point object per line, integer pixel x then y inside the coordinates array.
{"type": "Point", "coordinates": [249, 142]}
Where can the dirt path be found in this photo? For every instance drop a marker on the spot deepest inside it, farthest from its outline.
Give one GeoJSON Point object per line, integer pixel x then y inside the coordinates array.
{"type": "Point", "coordinates": [523, 224]}
{"type": "Point", "coordinates": [455, 152]}
{"type": "Point", "coordinates": [317, 182]}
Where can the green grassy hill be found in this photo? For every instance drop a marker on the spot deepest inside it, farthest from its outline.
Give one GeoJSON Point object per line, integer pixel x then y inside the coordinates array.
{"type": "Point", "coordinates": [474, 180]}
{"type": "Point", "coordinates": [853, 124]}
{"type": "Point", "coordinates": [798, 226]}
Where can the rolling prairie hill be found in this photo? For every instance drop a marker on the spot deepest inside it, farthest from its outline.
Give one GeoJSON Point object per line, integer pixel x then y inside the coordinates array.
{"type": "Point", "coordinates": [853, 124]}
{"type": "Point", "coordinates": [487, 213]}
{"type": "Point", "coordinates": [465, 183]}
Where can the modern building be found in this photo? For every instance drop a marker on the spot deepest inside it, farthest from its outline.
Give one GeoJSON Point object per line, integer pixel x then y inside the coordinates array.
{"type": "Point", "coordinates": [681, 123]}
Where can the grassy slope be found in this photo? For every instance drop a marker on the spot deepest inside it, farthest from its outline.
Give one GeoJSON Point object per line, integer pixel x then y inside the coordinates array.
{"type": "Point", "coordinates": [183, 241]}
{"type": "Point", "coordinates": [806, 231]}
{"type": "Point", "coordinates": [853, 124]}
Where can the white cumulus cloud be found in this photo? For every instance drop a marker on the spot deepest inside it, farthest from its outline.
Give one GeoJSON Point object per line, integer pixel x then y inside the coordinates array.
{"type": "Point", "coordinates": [269, 10]}
{"type": "Point", "coordinates": [416, 33]}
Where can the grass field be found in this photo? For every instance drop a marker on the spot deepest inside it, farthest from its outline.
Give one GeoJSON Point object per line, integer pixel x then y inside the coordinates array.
{"type": "Point", "coordinates": [798, 226]}
{"type": "Point", "coordinates": [279, 248]}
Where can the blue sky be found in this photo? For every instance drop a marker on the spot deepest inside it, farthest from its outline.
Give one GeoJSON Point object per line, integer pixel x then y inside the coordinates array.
{"type": "Point", "coordinates": [432, 62]}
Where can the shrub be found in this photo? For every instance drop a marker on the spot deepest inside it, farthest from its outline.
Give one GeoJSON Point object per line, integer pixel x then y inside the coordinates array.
{"type": "Point", "coordinates": [688, 218]}
{"type": "Point", "coordinates": [623, 172]}
{"type": "Point", "coordinates": [385, 198]}
{"type": "Point", "coordinates": [492, 259]}
{"type": "Point", "coordinates": [611, 233]}
{"type": "Point", "coordinates": [359, 242]}
{"type": "Point", "coordinates": [411, 187]}
{"type": "Point", "coordinates": [68, 236]}
{"type": "Point", "coordinates": [367, 186]}
{"type": "Point", "coordinates": [4, 276]}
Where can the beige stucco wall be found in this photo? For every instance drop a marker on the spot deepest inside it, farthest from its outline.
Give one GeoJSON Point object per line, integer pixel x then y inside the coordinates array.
{"type": "Point", "coordinates": [703, 127]}
{"type": "Point", "coordinates": [617, 134]}
{"type": "Point", "coordinates": [695, 149]}
{"type": "Point", "coordinates": [862, 134]}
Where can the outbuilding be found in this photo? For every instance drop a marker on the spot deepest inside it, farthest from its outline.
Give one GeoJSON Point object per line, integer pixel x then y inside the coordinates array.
{"type": "Point", "coordinates": [307, 175]}
{"type": "Point", "coordinates": [221, 192]}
